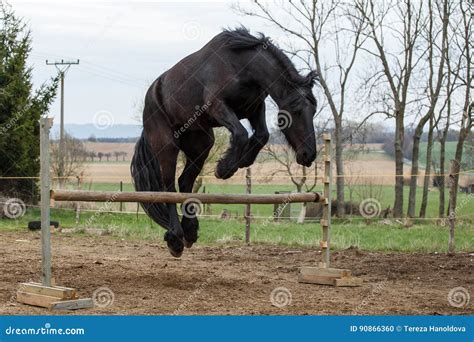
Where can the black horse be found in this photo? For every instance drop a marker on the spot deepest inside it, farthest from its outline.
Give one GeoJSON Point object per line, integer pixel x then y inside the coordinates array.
{"type": "Point", "coordinates": [225, 81]}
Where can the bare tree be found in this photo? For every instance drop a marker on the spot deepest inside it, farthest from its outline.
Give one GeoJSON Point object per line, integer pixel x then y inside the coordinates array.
{"type": "Point", "coordinates": [302, 177]}
{"type": "Point", "coordinates": [91, 155]}
{"type": "Point", "coordinates": [436, 48]}
{"type": "Point", "coordinates": [73, 164]}
{"type": "Point", "coordinates": [317, 26]}
{"type": "Point", "coordinates": [463, 44]}
{"type": "Point", "coordinates": [396, 62]}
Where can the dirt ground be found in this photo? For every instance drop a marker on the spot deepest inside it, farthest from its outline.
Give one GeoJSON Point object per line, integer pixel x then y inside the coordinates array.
{"type": "Point", "coordinates": [238, 280]}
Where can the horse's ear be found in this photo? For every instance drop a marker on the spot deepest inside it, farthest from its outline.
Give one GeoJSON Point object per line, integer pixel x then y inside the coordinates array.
{"type": "Point", "coordinates": [311, 78]}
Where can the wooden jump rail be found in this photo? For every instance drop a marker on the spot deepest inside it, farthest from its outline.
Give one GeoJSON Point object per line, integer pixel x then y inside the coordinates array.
{"type": "Point", "coordinates": [46, 294]}
{"type": "Point", "coordinates": [177, 197]}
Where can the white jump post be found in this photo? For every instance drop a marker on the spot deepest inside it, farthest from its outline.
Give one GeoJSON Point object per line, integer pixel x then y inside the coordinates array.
{"type": "Point", "coordinates": [46, 294]}
{"type": "Point", "coordinates": [323, 274]}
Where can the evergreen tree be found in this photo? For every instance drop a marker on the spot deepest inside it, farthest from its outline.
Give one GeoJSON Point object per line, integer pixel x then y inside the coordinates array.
{"type": "Point", "coordinates": [21, 107]}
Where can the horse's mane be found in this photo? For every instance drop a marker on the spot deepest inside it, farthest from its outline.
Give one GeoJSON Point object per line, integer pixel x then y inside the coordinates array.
{"type": "Point", "coordinates": [240, 38]}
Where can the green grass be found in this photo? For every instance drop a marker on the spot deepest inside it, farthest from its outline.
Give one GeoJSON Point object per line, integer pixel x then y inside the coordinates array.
{"type": "Point", "coordinates": [450, 151]}
{"type": "Point", "coordinates": [423, 236]}
{"type": "Point", "coordinates": [374, 236]}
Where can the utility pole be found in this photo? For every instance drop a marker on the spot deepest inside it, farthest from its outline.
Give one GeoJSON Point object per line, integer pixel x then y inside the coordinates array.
{"type": "Point", "coordinates": [62, 67]}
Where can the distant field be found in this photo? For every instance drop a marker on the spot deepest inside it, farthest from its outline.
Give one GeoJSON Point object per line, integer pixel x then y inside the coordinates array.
{"type": "Point", "coordinates": [373, 166]}
{"type": "Point", "coordinates": [370, 167]}
{"type": "Point", "coordinates": [111, 148]}
{"type": "Point", "coordinates": [450, 152]}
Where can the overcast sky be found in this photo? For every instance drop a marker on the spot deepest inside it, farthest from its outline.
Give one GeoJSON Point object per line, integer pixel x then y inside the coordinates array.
{"type": "Point", "coordinates": [122, 46]}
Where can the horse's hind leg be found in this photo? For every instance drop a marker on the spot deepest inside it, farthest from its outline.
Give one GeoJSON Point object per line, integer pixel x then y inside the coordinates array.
{"type": "Point", "coordinates": [196, 147]}
{"type": "Point", "coordinates": [167, 155]}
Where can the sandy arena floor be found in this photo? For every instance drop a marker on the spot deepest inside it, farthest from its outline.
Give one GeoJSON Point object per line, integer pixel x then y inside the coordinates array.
{"type": "Point", "coordinates": [237, 280]}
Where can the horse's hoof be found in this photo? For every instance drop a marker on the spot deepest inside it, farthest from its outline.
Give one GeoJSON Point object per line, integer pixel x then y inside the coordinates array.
{"type": "Point", "coordinates": [175, 245]}
{"type": "Point", "coordinates": [245, 163]}
{"type": "Point", "coordinates": [175, 253]}
{"type": "Point", "coordinates": [190, 227]}
{"type": "Point", "coordinates": [224, 173]}
{"type": "Point", "coordinates": [187, 244]}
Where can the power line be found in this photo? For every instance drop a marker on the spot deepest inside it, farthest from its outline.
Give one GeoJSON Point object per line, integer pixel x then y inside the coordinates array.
{"type": "Point", "coordinates": [62, 66]}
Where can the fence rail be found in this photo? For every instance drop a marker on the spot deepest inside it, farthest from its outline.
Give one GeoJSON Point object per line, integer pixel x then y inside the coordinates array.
{"type": "Point", "coordinates": [179, 197]}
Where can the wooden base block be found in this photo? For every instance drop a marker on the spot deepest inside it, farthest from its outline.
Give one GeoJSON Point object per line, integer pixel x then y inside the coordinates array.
{"type": "Point", "coordinates": [328, 276]}
{"type": "Point", "coordinates": [53, 291]}
{"type": "Point", "coordinates": [85, 303]}
{"type": "Point", "coordinates": [51, 297]}
{"type": "Point", "coordinates": [35, 299]}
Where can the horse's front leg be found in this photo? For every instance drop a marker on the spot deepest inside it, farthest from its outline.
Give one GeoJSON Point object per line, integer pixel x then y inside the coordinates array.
{"type": "Point", "coordinates": [168, 156]}
{"type": "Point", "coordinates": [258, 139]}
{"type": "Point", "coordinates": [226, 117]}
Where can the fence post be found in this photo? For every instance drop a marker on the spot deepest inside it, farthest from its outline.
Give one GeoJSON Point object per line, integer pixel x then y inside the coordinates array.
{"type": "Point", "coordinates": [326, 219]}
{"type": "Point", "coordinates": [45, 125]}
{"type": "Point", "coordinates": [248, 210]}
{"type": "Point", "coordinates": [451, 207]}
{"type": "Point", "coordinates": [323, 274]}
{"type": "Point", "coordinates": [121, 189]}
{"type": "Point", "coordinates": [78, 204]}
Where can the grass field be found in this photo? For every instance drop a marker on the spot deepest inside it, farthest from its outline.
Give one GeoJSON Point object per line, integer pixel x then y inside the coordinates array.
{"type": "Point", "coordinates": [450, 152]}
{"type": "Point", "coordinates": [376, 236]}
{"type": "Point", "coordinates": [384, 194]}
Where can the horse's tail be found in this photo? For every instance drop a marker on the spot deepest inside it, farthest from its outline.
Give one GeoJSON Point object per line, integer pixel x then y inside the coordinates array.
{"type": "Point", "coordinates": [146, 176]}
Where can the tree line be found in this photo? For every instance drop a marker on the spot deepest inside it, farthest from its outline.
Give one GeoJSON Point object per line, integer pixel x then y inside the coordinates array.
{"type": "Point", "coordinates": [403, 61]}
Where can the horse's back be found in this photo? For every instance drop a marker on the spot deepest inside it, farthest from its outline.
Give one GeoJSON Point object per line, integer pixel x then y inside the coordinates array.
{"type": "Point", "coordinates": [215, 70]}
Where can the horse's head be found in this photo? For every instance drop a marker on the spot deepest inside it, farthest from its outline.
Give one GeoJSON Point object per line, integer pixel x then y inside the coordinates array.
{"type": "Point", "coordinates": [295, 119]}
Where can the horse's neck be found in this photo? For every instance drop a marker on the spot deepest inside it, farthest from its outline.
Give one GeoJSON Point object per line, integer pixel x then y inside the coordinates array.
{"type": "Point", "coordinates": [272, 77]}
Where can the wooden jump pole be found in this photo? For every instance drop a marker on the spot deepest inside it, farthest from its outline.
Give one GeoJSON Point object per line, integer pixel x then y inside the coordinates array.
{"type": "Point", "coordinates": [323, 274]}
{"type": "Point", "coordinates": [178, 197]}
{"type": "Point", "coordinates": [46, 294]}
